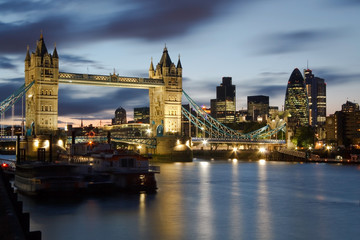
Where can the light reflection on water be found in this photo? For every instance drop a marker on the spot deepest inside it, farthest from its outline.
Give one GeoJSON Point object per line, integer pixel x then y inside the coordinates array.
{"type": "Point", "coordinates": [216, 200]}
{"type": "Point", "coordinates": [263, 218]}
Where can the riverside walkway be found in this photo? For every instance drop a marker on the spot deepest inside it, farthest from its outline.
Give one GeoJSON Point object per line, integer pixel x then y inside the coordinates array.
{"type": "Point", "coordinates": [14, 224]}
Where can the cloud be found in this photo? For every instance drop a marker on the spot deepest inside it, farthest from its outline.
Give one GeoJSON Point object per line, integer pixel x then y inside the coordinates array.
{"type": "Point", "coordinates": [295, 41]}
{"type": "Point", "coordinates": [140, 19]}
{"type": "Point", "coordinates": [69, 58]}
{"type": "Point", "coordinates": [271, 90]}
{"type": "Point", "coordinates": [6, 63]}
{"type": "Point", "coordinates": [335, 77]}
{"type": "Point", "coordinates": [108, 102]}
{"type": "Point", "coordinates": [345, 3]}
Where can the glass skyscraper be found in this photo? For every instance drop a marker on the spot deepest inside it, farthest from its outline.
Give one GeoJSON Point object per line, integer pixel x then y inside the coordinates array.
{"type": "Point", "coordinates": [296, 100]}
{"type": "Point", "coordinates": [316, 91]}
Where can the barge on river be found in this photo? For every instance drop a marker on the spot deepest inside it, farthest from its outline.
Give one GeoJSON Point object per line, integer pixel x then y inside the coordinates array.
{"type": "Point", "coordinates": [97, 172]}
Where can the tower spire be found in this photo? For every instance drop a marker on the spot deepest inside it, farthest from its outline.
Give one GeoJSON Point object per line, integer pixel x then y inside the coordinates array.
{"type": "Point", "coordinates": [55, 54]}
{"type": "Point", "coordinates": [27, 58]}
{"type": "Point", "coordinates": [179, 63]}
{"type": "Point", "coordinates": [151, 65]}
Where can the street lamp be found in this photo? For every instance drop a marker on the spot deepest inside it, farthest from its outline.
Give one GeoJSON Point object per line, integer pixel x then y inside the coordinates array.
{"type": "Point", "coordinates": [148, 131]}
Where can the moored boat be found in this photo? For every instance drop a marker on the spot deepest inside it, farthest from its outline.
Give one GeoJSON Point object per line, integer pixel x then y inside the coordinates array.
{"type": "Point", "coordinates": [35, 178]}
{"type": "Point", "coordinates": [128, 171]}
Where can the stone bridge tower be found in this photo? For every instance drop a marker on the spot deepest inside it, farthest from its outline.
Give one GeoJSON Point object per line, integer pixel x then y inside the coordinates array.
{"type": "Point", "coordinates": [165, 101]}
{"type": "Point", "coordinates": [42, 98]}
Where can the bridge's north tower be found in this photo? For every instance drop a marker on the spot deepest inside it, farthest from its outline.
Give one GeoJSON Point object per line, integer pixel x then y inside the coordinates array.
{"type": "Point", "coordinates": [42, 98]}
{"type": "Point", "coordinates": [165, 101]}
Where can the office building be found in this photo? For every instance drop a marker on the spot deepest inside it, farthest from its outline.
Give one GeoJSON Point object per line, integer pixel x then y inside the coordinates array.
{"type": "Point", "coordinates": [343, 127]}
{"type": "Point", "coordinates": [224, 106]}
{"type": "Point", "coordinates": [142, 115]}
{"type": "Point", "coordinates": [316, 91]}
{"type": "Point", "coordinates": [120, 116]}
{"type": "Point", "coordinates": [258, 107]}
{"type": "Point", "coordinates": [296, 101]}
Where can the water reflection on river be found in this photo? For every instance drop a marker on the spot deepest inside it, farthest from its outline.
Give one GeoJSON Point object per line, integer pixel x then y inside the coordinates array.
{"type": "Point", "coordinates": [216, 200]}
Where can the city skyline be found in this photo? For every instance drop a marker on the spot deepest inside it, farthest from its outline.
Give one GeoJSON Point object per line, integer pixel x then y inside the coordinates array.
{"type": "Point", "coordinates": [214, 40]}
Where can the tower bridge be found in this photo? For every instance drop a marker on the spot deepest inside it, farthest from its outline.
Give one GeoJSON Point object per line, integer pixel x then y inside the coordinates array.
{"type": "Point", "coordinates": [42, 79]}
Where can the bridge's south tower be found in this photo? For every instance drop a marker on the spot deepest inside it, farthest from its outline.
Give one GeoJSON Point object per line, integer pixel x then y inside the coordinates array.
{"type": "Point", "coordinates": [165, 101]}
{"type": "Point", "coordinates": [42, 98]}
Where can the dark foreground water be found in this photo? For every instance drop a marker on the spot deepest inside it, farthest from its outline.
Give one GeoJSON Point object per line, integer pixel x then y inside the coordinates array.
{"type": "Point", "coordinates": [216, 200]}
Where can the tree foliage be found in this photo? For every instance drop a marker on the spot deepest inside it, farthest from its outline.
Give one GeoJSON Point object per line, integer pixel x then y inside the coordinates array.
{"type": "Point", "coordinates": [304, 137]}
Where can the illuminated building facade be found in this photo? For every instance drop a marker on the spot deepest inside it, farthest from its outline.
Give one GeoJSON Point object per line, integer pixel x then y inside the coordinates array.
{"type": "Point", "coordinates": [343, 127]}
{"type": "Point", "coordinates": [316, 91]}
{"type": "Point", "coordinates": [224, 106]}
{"type": "Point", "coordinates": [120, 116]}
{"type": "Point", "coordinates": [142, 115]}
{"type": "Point", "coordinates": [42, 97]}
{"type": "Point", "coordinates": [296, 100]}
{"type": "Point", "coordinates": [258, 107]}
{"type": "Point", "coordinates": [165, 101]}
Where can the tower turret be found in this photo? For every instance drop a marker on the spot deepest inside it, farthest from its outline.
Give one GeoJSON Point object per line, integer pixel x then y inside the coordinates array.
{"type": "Point", "coordinates": [165, 101]}
{"type": "Point", "coordinates": [179, 67]}
{"type": "Point", "coordinates": [42, 100]}
{"type": "Point", "coordinates": [151, 69]}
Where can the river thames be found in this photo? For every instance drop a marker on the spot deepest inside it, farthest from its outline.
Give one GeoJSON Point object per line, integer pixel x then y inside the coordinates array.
{"type": "Point", "coordinates": [215, 200]}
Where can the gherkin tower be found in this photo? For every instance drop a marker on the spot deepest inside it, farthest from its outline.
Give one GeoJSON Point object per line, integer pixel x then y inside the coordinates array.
{"type": "Point", "coordinates": [296, 100]}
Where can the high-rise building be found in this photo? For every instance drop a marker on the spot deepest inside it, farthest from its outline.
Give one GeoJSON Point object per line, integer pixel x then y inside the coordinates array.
{"type": "Point", "coordinates": [120, 116]}
{"type": "Point", "coordinates": [342, 127]}
{"type": "Point", "coordinates": [142, 115]}
{"type": "Point", "coordinates": [224, 106]}
{"type": "Point", "coordinates": [258, 107]}
{"type": "Point", "coordinates": [350, 107]}
{"type": "Point", "coordinates": [296, 100]}
{"type": "Point", "coordinates": [273, 110]}
{"type": "Point", "coordinates": [316, 91]}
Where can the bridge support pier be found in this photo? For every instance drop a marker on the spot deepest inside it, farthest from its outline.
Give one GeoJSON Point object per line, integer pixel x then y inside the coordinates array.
{"type": "Point", "coordinates": [173, 148]}
{"type": "Point", "coordinates": [40, 148]}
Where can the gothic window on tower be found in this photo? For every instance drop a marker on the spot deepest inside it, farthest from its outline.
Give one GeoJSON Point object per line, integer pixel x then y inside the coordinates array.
{"type": "Point", "coordinates": [42, 108]}
{"type": "Point", "coordinates": [46, 108]}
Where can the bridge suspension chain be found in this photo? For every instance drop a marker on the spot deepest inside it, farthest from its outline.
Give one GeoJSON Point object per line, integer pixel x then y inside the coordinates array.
{"type": "Point", "coordinates": [213, 123]}
{"type": "Point", "coordinates": [13, 98]}
{"type": "Point", "coordinates": [215, 129]}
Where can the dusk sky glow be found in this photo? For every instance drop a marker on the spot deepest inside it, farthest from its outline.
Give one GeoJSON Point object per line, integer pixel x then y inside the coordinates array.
{"type": "Point", "coordinates": [258, 43]}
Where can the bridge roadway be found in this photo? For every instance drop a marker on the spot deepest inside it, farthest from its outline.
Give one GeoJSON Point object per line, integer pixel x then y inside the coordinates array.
{"type": "Point", "coordinates": [109, 80]}
{"type": "Point", "coordinates": [238, 141]}
{"type": "Point", "coordinates": [152, 141]}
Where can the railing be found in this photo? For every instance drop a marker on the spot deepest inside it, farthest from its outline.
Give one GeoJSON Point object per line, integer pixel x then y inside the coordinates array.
{"type": "Point", "coordinates": [10, 138]}
{"type": "Point", "coordinates": [293, 153]}
{"type": "Point", "coordinates": [232, 140]}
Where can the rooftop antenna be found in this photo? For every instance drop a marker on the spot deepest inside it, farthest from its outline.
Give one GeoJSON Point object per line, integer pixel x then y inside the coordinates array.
{"type": "Point", "coordinates": [307, 64]}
